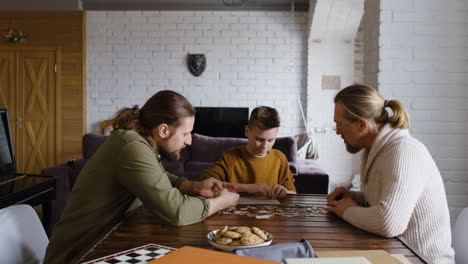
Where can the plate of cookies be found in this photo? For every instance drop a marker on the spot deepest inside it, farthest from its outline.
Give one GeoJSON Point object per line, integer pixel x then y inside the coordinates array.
{"type": "Point", "coordinates": [230, 238]}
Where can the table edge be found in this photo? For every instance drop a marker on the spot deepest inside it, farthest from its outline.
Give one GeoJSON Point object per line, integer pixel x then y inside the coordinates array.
{"type": "Point", "coordinates": [101, 237]}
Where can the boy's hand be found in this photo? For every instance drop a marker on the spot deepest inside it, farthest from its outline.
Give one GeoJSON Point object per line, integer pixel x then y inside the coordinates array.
{"type": "Point", "coordinates": [230, 186]}
{"type": "Point", "coordinates": [260, 189]}
{"type": "Point", "coordinates": [279, 191]}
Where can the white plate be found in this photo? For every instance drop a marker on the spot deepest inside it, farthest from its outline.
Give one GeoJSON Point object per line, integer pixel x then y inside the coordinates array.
{"type": "Point", "coordinates": [232, 248]}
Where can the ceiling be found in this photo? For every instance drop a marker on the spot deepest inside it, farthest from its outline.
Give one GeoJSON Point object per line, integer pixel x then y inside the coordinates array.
{"type": "Point", "coordinates": [208, 5]}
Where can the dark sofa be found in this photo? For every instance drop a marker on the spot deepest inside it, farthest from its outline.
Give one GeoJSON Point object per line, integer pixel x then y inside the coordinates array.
{"type": "Point", "coordinates": [309, 177]}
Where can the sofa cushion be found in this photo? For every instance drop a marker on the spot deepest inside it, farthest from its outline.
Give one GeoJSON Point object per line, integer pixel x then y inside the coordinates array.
{"type": "Point", "coordinates": [210, 149]}
{"type": "Point", "coordinates": [309, 166]}
{"type": "Point", "coordinates": [91, 143]}
{"type": "Point", "coordinates": [288, 146]}
{"type": "Point", "coordinates": [173, 166]}
{"type": "Point", "coordinates": [196, 167]}
{"type": "Point", "coordinates": [311, 178]}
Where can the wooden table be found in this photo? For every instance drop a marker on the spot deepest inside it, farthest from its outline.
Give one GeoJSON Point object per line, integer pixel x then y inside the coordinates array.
{"type": "Point", "coordinates": [300, 216]}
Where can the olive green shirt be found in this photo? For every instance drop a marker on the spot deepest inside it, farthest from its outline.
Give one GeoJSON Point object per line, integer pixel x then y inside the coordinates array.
{"type": "Point", "coordinates": [124, 172]}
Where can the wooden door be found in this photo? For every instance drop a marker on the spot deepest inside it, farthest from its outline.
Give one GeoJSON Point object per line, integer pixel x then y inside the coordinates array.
{"type": "Point", "coordinates": [33, 103]}
{"type": "Point", "coordinates": [37, 110]}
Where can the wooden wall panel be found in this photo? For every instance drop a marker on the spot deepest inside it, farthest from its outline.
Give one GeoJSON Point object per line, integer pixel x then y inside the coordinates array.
{"type": "Point", "coordinates": [66, 30]}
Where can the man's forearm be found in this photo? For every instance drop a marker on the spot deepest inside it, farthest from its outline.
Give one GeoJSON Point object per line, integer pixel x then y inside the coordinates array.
{"type": "Point", "coordinates": [187, 187]}
{"type": "Point", "coordinates": [216, 204]}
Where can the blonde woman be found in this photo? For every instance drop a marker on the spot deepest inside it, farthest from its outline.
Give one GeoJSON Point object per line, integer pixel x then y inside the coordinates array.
{"type": "Point", "coordinates": [403, 192]}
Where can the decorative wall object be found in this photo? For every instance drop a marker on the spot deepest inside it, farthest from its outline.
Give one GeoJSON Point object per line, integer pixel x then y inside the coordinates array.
{"type": "Point", "coordinates": [331, 82]}
{"type": "Point", "coordinates": [196, 63]}
{"type": "Point", "coordinates": [15, 35]}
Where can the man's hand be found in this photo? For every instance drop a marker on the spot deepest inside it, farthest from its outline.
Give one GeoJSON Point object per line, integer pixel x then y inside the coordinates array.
{"type": "Point", "coordinates": [279, 191]}
{"type": "Point", "coordinates": [229, 198]}
{"type": "Point", "coordinates": [339, 207]}
{"type": "Point", "coordinates": [224, 200]}
{"type": "Point", "coordinates": [211, 187]}
{"type": "Point", "coordinates": [338, 194]}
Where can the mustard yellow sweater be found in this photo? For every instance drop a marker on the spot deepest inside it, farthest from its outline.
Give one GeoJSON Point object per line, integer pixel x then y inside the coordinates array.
{"type": "Point", "coordinates": [237, 165]}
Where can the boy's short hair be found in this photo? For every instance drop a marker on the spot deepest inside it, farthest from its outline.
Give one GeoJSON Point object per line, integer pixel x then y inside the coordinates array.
{"type": "Point", "coordinates": [264, 117]}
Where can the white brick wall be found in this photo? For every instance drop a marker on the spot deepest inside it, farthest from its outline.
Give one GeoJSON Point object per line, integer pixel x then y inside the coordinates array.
{"type": "Point", "coordinates": [424, 63]}
{"type": "Point", "coordinates": [253, 58]}
{"type": "Point", "coordinates": [418, 55]}
{"type": "Point", "coordinates": [333, 51]}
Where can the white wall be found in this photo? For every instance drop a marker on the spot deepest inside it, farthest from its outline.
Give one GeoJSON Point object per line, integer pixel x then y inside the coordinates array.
{"type": "Point", "coordinates": [332, 52]}
{"type": "Point", "coordinates": [253, 58]}
{"type": "Point", "coordinates": [132, 55]}
{"type": "Point", "coordinates": [424, 64]}
{"type": "Point", "coordinates": [336, 59]}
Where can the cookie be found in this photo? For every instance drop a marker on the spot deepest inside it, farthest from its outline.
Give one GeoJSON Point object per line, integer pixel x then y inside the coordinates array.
{"type": "Point", "coordinates": [243, 230]}
{"type": "Point", "coordinates": [240, 236]}
{"type": "Point", "coordinates": [231, 234]}
{"type": "Point", "coordinates": [224, 240]}
{"type": "Point", "coordinates": [259, 233]}
{"type": "Point", "coordinates": [251, 239]}
{"type": "Point", "coordinates": [236, 243]}
{"type": "Point", "coordinates": [220, 232]}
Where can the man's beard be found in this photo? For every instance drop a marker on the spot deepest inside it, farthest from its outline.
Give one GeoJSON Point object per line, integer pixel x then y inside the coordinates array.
{"type": "Point", "coordinates": [352, 149]}
{"type": "Point", "coordinates": [171, 156]}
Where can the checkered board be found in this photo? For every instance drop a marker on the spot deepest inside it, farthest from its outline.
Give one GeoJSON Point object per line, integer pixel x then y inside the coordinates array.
{"type": "Point", "coordinates": [139, 255]}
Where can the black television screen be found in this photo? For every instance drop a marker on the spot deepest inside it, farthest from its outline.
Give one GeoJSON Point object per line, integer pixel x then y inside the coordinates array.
{"type": "Point", "coordinates": [7, 159]}
{"type": "Point", "coordinates": [7, 165]}
{"type": "Point", "coordinates": [221, 121]}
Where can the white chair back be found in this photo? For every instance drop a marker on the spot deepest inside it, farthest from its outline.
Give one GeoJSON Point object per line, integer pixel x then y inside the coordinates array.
{"type": "Point", "coordinates": [459, 237]}
{"type": "Point", "coordinates": [22, 236]}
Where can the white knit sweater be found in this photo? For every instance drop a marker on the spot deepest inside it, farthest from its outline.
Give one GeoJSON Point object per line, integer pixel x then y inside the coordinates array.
{"type": "Point", "coordinates": [403, 195]}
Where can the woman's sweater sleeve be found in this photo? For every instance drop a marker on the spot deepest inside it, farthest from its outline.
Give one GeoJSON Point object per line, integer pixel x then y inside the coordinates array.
{"type": "Point", "coordinates": [358, 197]}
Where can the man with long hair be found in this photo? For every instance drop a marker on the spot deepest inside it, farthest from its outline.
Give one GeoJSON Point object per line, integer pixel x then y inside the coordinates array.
{"type": "Point", "coordinates": [126, 171]}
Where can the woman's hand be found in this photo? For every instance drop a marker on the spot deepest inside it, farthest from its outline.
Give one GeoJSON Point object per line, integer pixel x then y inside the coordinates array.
{"type": "Point", "coordinates": [339, 207]}
{"type": "Point", "coordinates": [338, 194]}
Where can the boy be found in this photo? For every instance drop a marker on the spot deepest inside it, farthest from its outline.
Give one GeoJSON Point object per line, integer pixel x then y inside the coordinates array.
{"type": "Point", "coordinates": [256, 168]}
